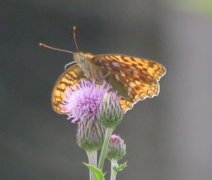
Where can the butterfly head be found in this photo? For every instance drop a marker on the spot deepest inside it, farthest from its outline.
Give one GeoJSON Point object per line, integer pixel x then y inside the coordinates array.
{"type": "Point", "coordinates": [82, 60]}
{"type": "Point", "coordinates": [81, 57]}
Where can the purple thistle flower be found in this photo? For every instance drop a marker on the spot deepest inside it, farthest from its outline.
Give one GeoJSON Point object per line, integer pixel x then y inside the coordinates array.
{"type": "Point", "coordinates": [116, 148]}
{"type": "Point", "coordinates": [82, 101]}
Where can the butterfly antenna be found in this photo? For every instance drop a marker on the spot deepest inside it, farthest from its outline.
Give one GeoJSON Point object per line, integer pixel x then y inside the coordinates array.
{"type": "Point", "coordinates": [74, 36]}
{"type": "Point", "coordinates": [54, 48]}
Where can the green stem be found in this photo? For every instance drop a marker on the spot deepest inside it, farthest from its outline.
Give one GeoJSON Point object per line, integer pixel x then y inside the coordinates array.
{"type": "Point", "coordinates": [103, 154]}
{"type": "Point", "coordinates": [113, 174]}
{"type": "Point", "coordinates": [92, 159]}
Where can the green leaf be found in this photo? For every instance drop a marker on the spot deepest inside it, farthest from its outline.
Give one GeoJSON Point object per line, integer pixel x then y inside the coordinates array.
{"type": "Point", "coordinates": [98, 174]}
{"type": "Point", "coordinates": [120, 167]}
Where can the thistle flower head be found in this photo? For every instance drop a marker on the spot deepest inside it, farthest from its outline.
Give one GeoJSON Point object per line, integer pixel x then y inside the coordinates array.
{"type": "Point", "coordinates": [82, 101]}
{"type": "Point", "coordinates": [90, 135]}
{"type": "Point", "coordinates": [110, 113]}
{"type": "Point", "coordinates": [116, 148]}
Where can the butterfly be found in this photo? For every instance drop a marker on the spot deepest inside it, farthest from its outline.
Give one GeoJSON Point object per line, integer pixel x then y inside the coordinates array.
{"type": "Point", "coordinates": [134, 78]}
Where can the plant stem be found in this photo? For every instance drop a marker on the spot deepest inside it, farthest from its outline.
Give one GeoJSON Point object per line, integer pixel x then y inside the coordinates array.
{"type": "Point", "coordinates": [113, 174]}
{"type": "Point", "coordinates": [92, 159]}
{"type": "Point", "coordinates": [103, 154]}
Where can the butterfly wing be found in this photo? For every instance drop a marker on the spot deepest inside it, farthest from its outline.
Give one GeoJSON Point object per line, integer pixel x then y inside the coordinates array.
{"type": "Point", "coordinates": [69, 77]}
{"type": "Point", "coordinates": [134, 78]}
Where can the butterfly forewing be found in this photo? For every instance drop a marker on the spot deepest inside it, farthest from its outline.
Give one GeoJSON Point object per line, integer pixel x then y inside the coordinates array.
{"type": "Point", "coordinates": [131, 66]}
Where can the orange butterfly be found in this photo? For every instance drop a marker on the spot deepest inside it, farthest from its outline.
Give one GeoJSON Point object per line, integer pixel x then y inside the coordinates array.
{"type": "Point", "coordinates": [134, 78]}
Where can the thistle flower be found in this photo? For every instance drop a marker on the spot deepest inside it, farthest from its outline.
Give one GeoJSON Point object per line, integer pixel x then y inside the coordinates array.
{"type": "Point", "coordinates": [90, 135]}
{"type": "Point", "coordinates": [83, 101]}
{"type": "Point", "coordinates": [116, 148]}
{"type": "Point", "coordinates": [110, 113]}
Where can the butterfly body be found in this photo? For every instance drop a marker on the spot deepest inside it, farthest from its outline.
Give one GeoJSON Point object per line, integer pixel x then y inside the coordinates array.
{"type": "Point", "coordinates": [134, 78]}
{"type": "Point", "coordinates": [90, 70]}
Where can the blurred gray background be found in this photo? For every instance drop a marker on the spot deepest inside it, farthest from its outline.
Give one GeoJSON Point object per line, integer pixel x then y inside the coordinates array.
{"type": "Point", "coordinates": [168, 137]}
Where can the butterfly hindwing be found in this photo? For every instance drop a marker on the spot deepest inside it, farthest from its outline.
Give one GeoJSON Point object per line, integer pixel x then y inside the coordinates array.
{"type": "Point", "coordinates": [70, 77]}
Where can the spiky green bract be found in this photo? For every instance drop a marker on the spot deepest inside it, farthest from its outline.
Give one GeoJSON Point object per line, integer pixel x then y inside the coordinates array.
{"type": "Point", "coordinates": [120, 167]}
{"type": "Point", "coordinates": [116, 148]}
{"type": "Point", "coordinates": [90, 135]}
{"type": "Point", "coordinates": [110, 113]}
{"type": "Point", "coordinates": [116, 168]}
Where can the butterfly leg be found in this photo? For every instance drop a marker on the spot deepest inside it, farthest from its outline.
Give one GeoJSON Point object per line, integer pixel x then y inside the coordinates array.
{"type": "Point", "coordinates": [106, 75]}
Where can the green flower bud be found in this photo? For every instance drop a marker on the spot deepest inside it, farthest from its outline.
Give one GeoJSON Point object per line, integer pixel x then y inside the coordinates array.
{"type": "Point", "coordinates": [110, 113]}
{"type": "Point", "coordinates": [90, 135]}
{"type": "Point", "coordinates": [116, 148]}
